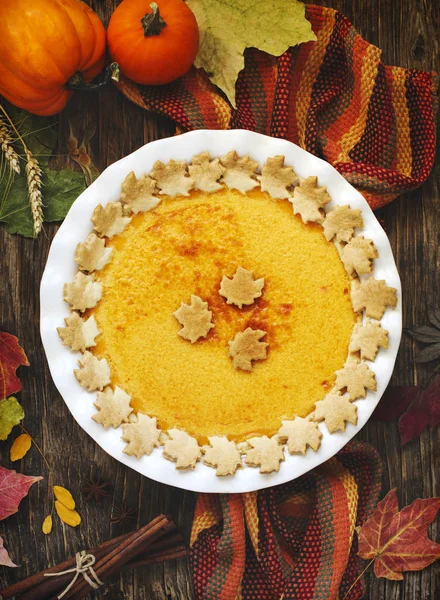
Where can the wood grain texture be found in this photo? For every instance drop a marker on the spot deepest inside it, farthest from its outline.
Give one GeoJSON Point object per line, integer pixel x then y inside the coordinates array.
{"type": "Point", "coordinates": [407, 32]}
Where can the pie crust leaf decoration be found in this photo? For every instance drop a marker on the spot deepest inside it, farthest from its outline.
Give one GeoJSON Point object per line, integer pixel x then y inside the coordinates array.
{"type": "Point", "coordinates": [142, 436]}
{"type": "Point", "coordinates": [92, 255]}
{"type": "Point", "coordinates": [298, 434]}
{"type": "Point", "coordinates": [113, 407]}
{"type": "Point", "coordinates": [138, 194]}
{"type": "Point", "coordinates": [246, 347]}
{"type": "Point", "coordinates": [356, 378]}
{"type": "Point", "coordinates": [182, 449]}
{"type": "Point", "coordinates": [242, 289]}
{"type": "Point", "coordinates": [358, 255]}
{"type": "Point", "coordinates": [239, 172]}
{"type": "Point", "coordinates": [78, 334]}
{"type": "Point", "coordinates": [222, 454]}
{"type": "Point", "coordinates": [335, 410]}
{"type": "Point", "coordinates": [265, 453]}
{"type": "Point", "coordinates": [341, 222]}
{"type": "Point", "coordinates": [172, 179]}
{"type": "Point", "coordinates": [366, 339]}
{"type": "Point", "coordinates": [206, 172]}
{"type": "Point", "coordinates": [83, 293]}
{"type": "Point", "coordinates": [309, 199]}
{"type": "Point", "coordinates": [109, 220]}
{"type": "Point", "coordinates": [196, 319]}
{"type": "Point", "coordinates": [276, 179]}
{"type": "Point", "coordinates": [94, 373]}
{"type": "Point", "coordinates": [373, 295]}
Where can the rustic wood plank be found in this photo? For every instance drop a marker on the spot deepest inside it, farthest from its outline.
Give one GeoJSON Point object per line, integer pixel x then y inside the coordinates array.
{"type": "Point", "coordinates": [407, 32]}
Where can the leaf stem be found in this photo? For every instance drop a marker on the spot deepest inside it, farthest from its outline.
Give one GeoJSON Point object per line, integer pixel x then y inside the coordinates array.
{"type": "Point", "coordinates": [359, 577]}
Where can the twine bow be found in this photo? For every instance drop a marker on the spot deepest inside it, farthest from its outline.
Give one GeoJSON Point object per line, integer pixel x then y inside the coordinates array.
{"type": "Point", "coordinates": [84, 566]}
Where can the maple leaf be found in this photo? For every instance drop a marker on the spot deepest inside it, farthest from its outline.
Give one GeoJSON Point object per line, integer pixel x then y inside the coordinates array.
{"type": "Point", "coordinates": [11, 357]}
{"type": "Point", "coordinates": [227, 28]}
{"type": "Point", "coordinates": [13, 488]}
{"type": "Point", "coordinates": [395, 402]}
{"type": "Point", "coordinates": [396, 540]}
{"type": "Point", "coordinates": [5, 560]}
{"type": "Point", "coordinates": [11, 413]}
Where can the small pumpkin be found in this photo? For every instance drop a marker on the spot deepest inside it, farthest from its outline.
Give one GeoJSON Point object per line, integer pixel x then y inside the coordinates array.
{"type": "Point", "coordinates": [153, 42]}
{"type": "Point", "coordinates": [43, 44]}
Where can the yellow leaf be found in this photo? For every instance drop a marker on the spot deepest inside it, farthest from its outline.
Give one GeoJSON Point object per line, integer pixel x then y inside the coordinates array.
{"type": "Point", "coordinates": [47, 524]}
{"type": "Point", "coordinates": [70, 517]}
{"type": "Point", "coordinates": [64, 496]}
{"type": "Point", "coordinates": [20, 447]}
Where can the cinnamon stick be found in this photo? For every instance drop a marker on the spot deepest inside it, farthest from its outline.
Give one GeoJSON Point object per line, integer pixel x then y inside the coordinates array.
{"type": "Point", "coordinates": [157, 557]}
{"type": "Point", "coordinates": [122, 554]}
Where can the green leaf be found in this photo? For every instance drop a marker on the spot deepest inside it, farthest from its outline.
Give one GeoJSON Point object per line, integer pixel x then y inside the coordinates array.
{"type": "Point", "coordinates": [228, 27]}
{"type": "Point", "coordinates": [11, 413]}
{"type": "Point", "coordinates": [61, 189]}
{"type": "Point", "coordinates": [37, 132]}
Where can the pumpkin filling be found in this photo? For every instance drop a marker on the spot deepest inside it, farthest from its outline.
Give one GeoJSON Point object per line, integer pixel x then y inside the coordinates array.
{"type": "Point", "coordinates": [184, 247]}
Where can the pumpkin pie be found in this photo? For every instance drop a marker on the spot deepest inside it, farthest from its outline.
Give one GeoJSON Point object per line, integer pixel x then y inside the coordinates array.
{"type": "Point", "coordinates": [219, 312]}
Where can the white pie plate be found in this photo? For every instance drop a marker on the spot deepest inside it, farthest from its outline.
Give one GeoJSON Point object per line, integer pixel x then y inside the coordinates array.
{"type": "Point", "coordinates": [61, 268]}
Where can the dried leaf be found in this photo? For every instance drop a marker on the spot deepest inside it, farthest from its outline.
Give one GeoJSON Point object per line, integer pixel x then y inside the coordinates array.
{"type": "Point", "coordinates": [228, 28]}
{"type": "Point", "coordinates": [246, 347]}
{"type": "Point", "coordinates": [395, 402]}
{"type": "Point", "coordinates": [196, 319]}
{"type": "Point", "coordinates": [11, 413]}
{"type": "Point", "coordinates": [428, 354]}
{"type": "Point", "coordinates": [20, 447]}
{"type": "Point", "coordinates": [5, 560]}
{"type": "Point", "coordinates": [425, 334]}
{"type": "Point", "coordinates": [13, 488]}
{"type": "Point", "coordinates": [423, 411]}
{"type": "Point", "coordinates": [46, 528]}
{"type": "Point", "coordinates": [434, 317]}
{"type": "Point", "coordinates": [64, 496]}
{"type": "Point", "coordinates": [428, 335]}
{"type": "Point", "coordinates": [70, 517]}
{"type": "Point", "coordinates": [242, 289]}
{"type": "Point", "coordinates": [397, 540]}
{"type": "Point", "coordinates": [11, 357]}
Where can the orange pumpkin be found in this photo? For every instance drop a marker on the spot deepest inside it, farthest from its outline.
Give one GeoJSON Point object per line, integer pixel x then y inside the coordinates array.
{"type": "Point", "coordinates": [153, 43]}
{"type": "Point", "coordinates": [43, 43]}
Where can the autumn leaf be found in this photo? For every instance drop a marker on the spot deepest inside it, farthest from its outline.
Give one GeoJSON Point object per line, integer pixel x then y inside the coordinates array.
{"type": "Point", "coordinates": [46, 528]}
{"type": "Point", "coordinates": [428, 335]}
{"type": "Point", "coordinates": [13, 488]}
{"type": "Point", "coordinates": [64, 496]}
{"type": "Point", "coordinates": [5, 561]}
{"type": "Point", "coordinates": [395, 402]}
{"type": "Point", "coordinates": [11, 357]}
{"type": "Point", "coordinates": [20, 447]}
{"type": "Point", "coordinates": [396, 540]}
{"type": "Point", "coordinates": [11, 413]}
{"type": "Point", "coordinates": [68, 516]}
{"type": "Point", "coordinates": [227, 28]}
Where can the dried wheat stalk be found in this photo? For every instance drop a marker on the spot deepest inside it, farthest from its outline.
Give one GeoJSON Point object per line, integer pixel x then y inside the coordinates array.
{"type": "Point", "coordinates": [33, 178]}
{"type": "Point", "coordinates": [6, 144]}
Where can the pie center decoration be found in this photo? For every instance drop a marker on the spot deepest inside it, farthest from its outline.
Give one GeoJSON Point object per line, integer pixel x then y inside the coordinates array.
{"type": "Point", "coordinates": [217, 310]}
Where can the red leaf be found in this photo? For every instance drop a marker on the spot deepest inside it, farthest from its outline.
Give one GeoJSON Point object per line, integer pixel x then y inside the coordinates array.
{"type": "Point", "coordinates": [394, 402]}
{"type": "Point", "coordinates": [4, 556]}
{"type": "Point", "coordinates": [13, 488]}
{"type": "Point", "coordinates": [398, 541]}
{"type": "Point", "coordinates": [11, 357]}
{"type": "Point", "coordinates": [424, 411]}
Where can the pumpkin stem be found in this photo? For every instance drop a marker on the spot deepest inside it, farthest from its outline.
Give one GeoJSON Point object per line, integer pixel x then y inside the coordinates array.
{"type": "Point", "coordinates": [152, 22]}
{"type": "Point", "coordinates": [76, 82]}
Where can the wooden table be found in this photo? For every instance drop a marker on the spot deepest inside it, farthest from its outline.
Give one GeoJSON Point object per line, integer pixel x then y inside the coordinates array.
{"type": "Point", "coordinates": [407, 32]}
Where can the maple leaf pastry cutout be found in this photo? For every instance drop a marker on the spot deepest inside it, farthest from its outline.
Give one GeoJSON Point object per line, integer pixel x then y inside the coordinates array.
{"type": "Point", "coordinates": [358, 256]}
{"type": "Point", "coordinates": [246, 347]}
{"type": "Point", "coordinates": [222, 454]}
{"type": "Point", "coordinates": [239, 172]}
{"type": "Point", "coordinates": [182, 449]}
{"type": "Point", "coordinates": [276, 179]}
{"type": "Point", "coordinates": [206, 172]}
{"type": "Point", "coordinates": [172, 179]}
{"type": "Point", "coordinates": [142, 436]}
{"type": "Point", "coordinates": [309, 200]}
{"type": "Point", "coordinates": [242, 289]}
{"type": "Point", "coordinates": [336, 410]}
{"type": "Point", "coordinates": [109, 220]}
{"type": "Point", "coordinates": [92, 255]}
{"type": "Point", "coordinates": [113, 407]}
{"type": "Point", "coordinates": [78, 334]}
{"type": "Point", "coordinates": [367, 339]}
{"type": "Point", "coordinates": [138, 194]}
{"type": "Point", "coordinates": [373, 295]}
{"type": "Point", "coordinates": [83, 293]}
{"type": "Point", "coordinates": [265, 453]}
{"type": "Point", "coordinates": [299, 434]}
{"type": "Point", "coordinates": [356, 378]}
{"type": "Point", "coordinates": [94, 373]}
{"type": "Point", "coordinates": [341, 222]}
{"type": "Point", "coordinates": [196, 319]}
